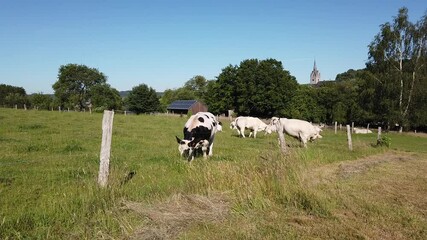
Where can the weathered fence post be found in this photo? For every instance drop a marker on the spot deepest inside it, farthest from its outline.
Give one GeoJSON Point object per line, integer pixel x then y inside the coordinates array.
{"type": "Point", "coordinates": [59, 108]}
{"type": "Point", "coordinates": [340, 126]}
{"type": "Point", "coordinates": [350, 144]}
{"type": "Point", "coordinates": [401, 129]}
{"type": "Point", "coordinates": [282, 140]}
{"type": "Point", "coordinates": [25, 106]}
{"type": "Point", "coordinates": [367, 127]}
{"type": "Point", "coordinates": [379, 133]}
{"type": "Point", "coordinates": [335, 127]}
{"type": "Point", "coordinates": [230, 115]}
{"type": "Point", "coordinates": [16, 106]}
{"type": "Point", "coordinates": [125, 113]}
{"type": "Point", "coordinates": [352, 127]}
{"type": "Point", "coordinates": [107, 130]}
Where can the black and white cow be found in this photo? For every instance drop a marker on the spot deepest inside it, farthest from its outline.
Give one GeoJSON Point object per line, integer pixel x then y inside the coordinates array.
{"type": "Point", "coordinates": [199, 133]}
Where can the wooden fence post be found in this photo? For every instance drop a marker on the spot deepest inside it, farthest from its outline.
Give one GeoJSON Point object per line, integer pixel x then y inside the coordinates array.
{"type": "Point", "coordinates": [335, 127]}
{"type": "Point", "coordinates": [350, 144]}
{"type": "Point", "coordinates": [282, 140]}
{"type": "Point", "coordinates": [340, 126]}
{"type": "Point", "coordinates": [352, 127]}
{"type": "Point", "coordinates": [25, 106]}
{"type": "Point", "coordinates": [367, 127]}
{"type": "Point", "coordinates": [379, 133]}
{"type": "Point", "coordinates": [107, 130]}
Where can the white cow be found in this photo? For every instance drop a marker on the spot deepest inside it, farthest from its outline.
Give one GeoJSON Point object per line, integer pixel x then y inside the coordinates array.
{"type": "Point", "coordinates": [300, 129]}
{"type": "Point", "coordinates": [252, 123]}
{"type": "Point", "coordinates": [199, 133]}
{"type": "Point", "coordinates": [362, 131]}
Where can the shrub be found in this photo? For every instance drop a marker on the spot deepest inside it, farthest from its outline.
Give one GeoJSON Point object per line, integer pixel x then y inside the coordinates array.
{"type": "Point", "coordinates": [384, 141]}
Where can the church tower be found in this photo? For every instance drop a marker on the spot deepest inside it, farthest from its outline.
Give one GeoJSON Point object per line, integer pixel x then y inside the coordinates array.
{"type": "Point", "coordinates": [315, 75]}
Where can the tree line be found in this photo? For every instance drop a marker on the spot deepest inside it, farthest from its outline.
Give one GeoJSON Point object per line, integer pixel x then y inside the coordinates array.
{"type": "Point", "coordinates": [391, 90]}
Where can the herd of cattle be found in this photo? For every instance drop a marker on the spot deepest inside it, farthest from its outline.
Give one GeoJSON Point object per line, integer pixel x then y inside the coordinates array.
{"type": "Point", "coordinates": [200, 129]}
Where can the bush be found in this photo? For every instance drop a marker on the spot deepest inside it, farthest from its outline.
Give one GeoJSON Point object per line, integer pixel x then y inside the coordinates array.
{"type": "Point", "coordinates": [384, 141]}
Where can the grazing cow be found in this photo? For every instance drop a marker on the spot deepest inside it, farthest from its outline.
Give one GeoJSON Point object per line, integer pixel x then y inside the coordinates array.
{"type": "Point", "coordinates": [362, 131]}
{"type": "Point", "coordinates": [300, 129]}
{"type": "Point", "coordinates": [252, 123]}
{"type": "Point", "coordinates": [199, 133]}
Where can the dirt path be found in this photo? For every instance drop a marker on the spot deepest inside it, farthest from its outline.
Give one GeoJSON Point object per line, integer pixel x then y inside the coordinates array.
{"type": "Point", "coordinates": [342, 170]}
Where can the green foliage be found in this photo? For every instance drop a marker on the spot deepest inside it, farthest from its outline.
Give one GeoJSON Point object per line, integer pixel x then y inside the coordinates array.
{"type": "Point", "coordinates": [104, 97]}
{"type": "Point", "coordinates": [397, 57]}
{"type": "Point", "coordinates": [74, 85]}
{"type": "Point", "coordinates": [384, 141]}
{"type": "Point", "coordinates": [11, 95]}
{"type": "Point", "coordinates": [255, 88]}
{"type": "Point", "coordinates": [41, 101]}
{"type": "Point", "coordinates": [142, 99]}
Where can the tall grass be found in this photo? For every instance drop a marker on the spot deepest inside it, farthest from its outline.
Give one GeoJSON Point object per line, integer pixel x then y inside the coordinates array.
{"type": "Point", "coordinates": [49, 163]}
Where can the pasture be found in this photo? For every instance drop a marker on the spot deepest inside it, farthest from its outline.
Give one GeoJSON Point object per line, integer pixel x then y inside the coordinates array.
{"type": "Point", "coordinates": [49, 164]}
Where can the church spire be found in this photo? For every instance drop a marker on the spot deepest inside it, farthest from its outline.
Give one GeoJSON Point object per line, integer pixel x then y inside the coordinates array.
{"type": "Point", "coordinates": [315, 75]}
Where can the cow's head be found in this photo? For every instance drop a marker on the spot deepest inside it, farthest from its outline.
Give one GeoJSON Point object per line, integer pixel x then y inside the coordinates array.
{"type": "Point", "coordinates": [187, 148]}
{"type": "Point", "coordinates": [273, 126]}
{"type": "Point", "coordinates": [183, 146]}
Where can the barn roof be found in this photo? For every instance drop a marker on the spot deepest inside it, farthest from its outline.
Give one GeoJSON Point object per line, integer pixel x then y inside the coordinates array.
{"type": "Point", "coordinates": [181, 104]}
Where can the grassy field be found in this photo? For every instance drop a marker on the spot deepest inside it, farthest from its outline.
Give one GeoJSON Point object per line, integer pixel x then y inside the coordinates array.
{"type": "Point", "coordinates": [49, 163]}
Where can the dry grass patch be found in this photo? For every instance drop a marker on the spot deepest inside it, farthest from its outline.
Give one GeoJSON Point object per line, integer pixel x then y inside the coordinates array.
{"type": "Point", "coordinates": [166, 220]}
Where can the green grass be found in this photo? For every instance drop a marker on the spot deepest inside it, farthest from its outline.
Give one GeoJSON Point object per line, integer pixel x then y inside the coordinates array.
{"type": "Point", "coordinates": [49, 163]}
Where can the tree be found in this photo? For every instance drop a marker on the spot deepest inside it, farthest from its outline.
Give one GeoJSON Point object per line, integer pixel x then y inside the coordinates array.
{"type": "Point", "coordinates": [198, 85]}
{"type": "Point", "coordinates": [41, 101]}
{"type": "Point", "coordinates": [397, 56]}
{"type": "Point", "coordinates": [103, 97]}
{"type": "Point", "coordinates": [255, 88]}
{"type": "Point", "coordinates": [74, 85]}
{"type": "Point", "coordinates": [11, 95]}
{"type": "Point", "coordinates": [142, 99]}
{"type": "Point", "coordinates": [221, 94]}
{"type": "Point", "coordinates": [304, 105]}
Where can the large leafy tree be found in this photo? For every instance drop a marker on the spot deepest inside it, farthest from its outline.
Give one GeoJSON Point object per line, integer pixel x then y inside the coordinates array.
{"type": "Point", "coordinates": [74, 84]}
{"type": "Point", "coordinates": [142, 99]}
{"type": "Point", "coordinates": [397, 56]}
{"type": "Point", "coordinates": [255, 88]}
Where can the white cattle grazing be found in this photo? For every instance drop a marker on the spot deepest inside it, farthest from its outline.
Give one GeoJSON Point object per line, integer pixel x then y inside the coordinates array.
{"type": "Point", "coordinates": [252, 123]}
{"type": "Point", "coordinates": [362, 131]}
{"type": "Point", "coordinates": [300, 129]}
{"type": "Point", "coordinates": [199, 133]}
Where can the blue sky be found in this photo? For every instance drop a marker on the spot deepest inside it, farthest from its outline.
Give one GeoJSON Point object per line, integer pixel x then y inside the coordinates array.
{"type": "Point", "coordinates": [165, 43]}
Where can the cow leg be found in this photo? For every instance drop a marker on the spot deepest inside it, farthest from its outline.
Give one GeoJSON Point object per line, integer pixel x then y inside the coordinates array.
{"type": "Point", "coordinates": [242, 131]}
{"type": "Point", "coordinates": [250, 134]}
{"type": "Point", "coordinates": [190, 155]}
{"type": "Point", "coordinates": [210, 149]}
{"type": "Point", "coordinates": [303, 139]}
{"type": "Point", "coordinates": [255, 133]}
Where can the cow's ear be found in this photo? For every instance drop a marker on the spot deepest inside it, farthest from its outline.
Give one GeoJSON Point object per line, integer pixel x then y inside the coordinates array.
{"type": "Point", "coordinates": [178, 140]}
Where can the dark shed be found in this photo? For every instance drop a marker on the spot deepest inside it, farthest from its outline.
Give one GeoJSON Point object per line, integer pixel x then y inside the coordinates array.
{"type": "Point", "coordinates": [183, 106]}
